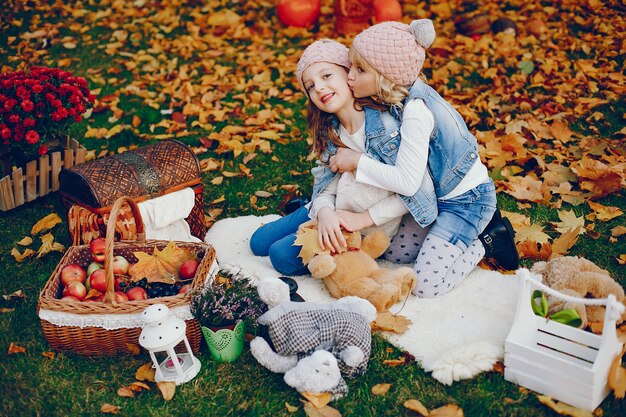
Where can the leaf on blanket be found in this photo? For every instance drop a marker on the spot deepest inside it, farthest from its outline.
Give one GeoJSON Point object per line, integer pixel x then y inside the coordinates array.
{"type": "Point", "coordinates": [381, 389]}
{"type": "Point", "coordinates": [326, 411]}
{"type": "Point", "coordinates": [318, 400]}
{"type": "Point", "coordinates": [417, 406]}
{"type": "Point", "coordinates": [562, 408]}
{"type": "Point", "coordinates": [450, 410]}
{"type": "Point", "coordinates": [388, 322]}
{"type": "Point", "coordinates": [617, 377]}
{"type": "Point", "coordinates": [307, 238]}
{"type": "Point", "coordinates": [160, 266]}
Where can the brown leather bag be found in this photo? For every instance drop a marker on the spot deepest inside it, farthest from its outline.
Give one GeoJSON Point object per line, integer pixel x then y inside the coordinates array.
{"type": "Point", "coordinates": [142, 174]}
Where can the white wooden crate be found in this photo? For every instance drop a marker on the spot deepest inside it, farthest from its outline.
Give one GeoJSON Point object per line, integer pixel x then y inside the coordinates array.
{"type": "Point", "coordinates": [568, 364]}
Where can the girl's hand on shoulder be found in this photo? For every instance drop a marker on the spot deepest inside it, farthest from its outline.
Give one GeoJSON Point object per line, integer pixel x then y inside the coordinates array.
{"type": "Point", "coordinates": [344, 160]}
{"type": "Point", "coordinates": [329, 231]}
{"type": "Point", "coordinates": [355, 221]}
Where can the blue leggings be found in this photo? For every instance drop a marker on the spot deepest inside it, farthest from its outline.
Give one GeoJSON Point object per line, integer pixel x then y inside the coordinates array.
{"type": "Point", "coordinates": [276, 240]}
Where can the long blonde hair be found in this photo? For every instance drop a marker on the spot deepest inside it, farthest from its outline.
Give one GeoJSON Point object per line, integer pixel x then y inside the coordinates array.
{"type": "Point", "coordinates": [387, 92]}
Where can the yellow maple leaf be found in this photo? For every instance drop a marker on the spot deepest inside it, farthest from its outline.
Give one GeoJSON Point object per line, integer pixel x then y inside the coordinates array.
{"type": "Point", "coordinates": [532, 233]}
{"type": "Point", "coordinates": [569, 221]}
{"type": "Point", "coordinates": [525, 188]}
{"type": "Point", "coordinates": [604, 213]}
{"type": "Point", "coordinates": [46, 223]}
{"type": "Point", "coordinates": [161, 265]}
{"type": "Point", "coordinates": [563, 243]}
{"type": "Point", "coordinates": [307, 238]}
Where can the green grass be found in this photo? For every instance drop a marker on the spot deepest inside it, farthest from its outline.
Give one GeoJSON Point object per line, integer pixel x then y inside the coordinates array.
{"type": "Point", "coordinates": [72, 385]}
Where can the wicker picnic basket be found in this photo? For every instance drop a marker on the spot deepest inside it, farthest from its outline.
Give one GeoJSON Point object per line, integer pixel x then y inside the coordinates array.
{"type": "Point", "coordinates": [108, 328]}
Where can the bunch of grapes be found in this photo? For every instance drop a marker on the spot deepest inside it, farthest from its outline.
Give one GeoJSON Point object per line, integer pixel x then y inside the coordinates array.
{"type": "Point", "coordinates": [153, 289]}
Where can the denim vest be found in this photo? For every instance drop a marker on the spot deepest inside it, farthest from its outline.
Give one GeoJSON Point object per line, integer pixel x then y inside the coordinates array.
{"type": "Point", "coordinates": [382, 141]}
{"type": "Point", "coordinates": [452, 149]}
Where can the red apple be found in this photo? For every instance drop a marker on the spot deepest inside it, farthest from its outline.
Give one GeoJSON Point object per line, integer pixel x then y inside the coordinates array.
{"type": "Point", "coordinates": [299, 13]}
{"type": "Point", "coordinates": [97, 247]}
{"type": "Point", "coordinates": [120, 265]}
{"type": "Point", "coordinates": [119, 279]}
{"type": "Point", "coordinates": [92, 267]}
{"type": "Point", "coordinates": [98, 280]}
{"type": "Point", "coordinates": [69, 298]}
{"type": "Point", "coordinates": [136, 293]}
{"type": "Point", "coordinates": [188, 269]}
{"type": "Point", "coordinates": [120, 297]}
{"type": "Point", "coordinates": [72, 272]}
{"type": "Point", "coordinates": [76, 289]}
{"type": "Point", "coordinates": [185, 288]}
{"type": "Point", "coordinates": [386, 10]}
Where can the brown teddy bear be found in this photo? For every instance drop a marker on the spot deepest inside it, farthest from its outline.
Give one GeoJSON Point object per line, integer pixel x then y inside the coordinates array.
{"type": "Point", "coordinates": [355, 271]}
{"type": "Point", "coordinates": [578, 277]}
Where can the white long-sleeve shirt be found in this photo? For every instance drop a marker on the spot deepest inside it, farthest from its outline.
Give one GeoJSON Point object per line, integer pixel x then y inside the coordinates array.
{"type": "Point", "coordinates": [345, 193]}
{"type": "Point", "coordinates": [405, 177]}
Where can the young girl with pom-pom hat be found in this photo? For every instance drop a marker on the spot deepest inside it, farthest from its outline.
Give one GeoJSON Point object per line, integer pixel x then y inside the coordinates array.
{"type": "Point", "coordinates": [387, 59]}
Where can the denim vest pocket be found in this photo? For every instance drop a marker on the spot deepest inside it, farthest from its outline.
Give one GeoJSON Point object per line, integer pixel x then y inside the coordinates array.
{"type": "Point", "coordinates": [386, 150]}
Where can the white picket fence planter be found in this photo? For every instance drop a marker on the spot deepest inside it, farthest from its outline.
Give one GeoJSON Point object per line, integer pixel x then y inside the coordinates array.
{"type": "Point", "coordinates": [568, 364]}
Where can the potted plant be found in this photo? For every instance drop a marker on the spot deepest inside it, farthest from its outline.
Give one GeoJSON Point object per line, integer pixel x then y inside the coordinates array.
{"type": "Point", "coordinates": [222, 309]}
{"type": "Point", "coordinates": [37, 109]}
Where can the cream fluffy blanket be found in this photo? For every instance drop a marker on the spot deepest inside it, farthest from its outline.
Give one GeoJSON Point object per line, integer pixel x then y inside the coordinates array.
{"type": "Point", "coordinates": [455, 336]}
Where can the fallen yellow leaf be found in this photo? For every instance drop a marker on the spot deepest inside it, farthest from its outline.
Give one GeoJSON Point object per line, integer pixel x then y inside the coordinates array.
{"type": "Point", "coordinates": [450, 410]}
{"type": "Point", "coordinates": [133, 348]}
{"type": "Point", "coordinates": [138, 386]}
{"type": "Point", "coordinates": [15, 295]}
{"type": "Point", "coordinates": [381, 389]}
{"type": "Point", "coordinates": [13, 348]}
{"type": "Point", "coordinates": [109, 408]}
{"type": "Point", "coordinates": [46, 223]}
{"type": "Point", "coordinates": [386, 321]}
{"type": "Point", "coordinates": [327, 411]}
{"type": "Point", "coordinates": [48, 245]}
{"type": "Point", "coordinates": [318, 400]}
{"type": "Point", "coordinates": [168, 389]}
{"type": "Point", "coordinates": [145, 372]}
{"type": "Point", "coordinates": [562, 408]}
{"type": "Point", "coordinates": [394, 362]}
{"type": "Point", "coordinates": [20, 257]}
{"type": "Point", "coordinates": [291, 408]}
{"type": "Point", "coordinates": [125, 392]}
{"type": "Point", "coordinates": [417, 406]}
{"type": "Point", "coordinates": [49, 355]}
{"type": "Point", "coordinates": [617, 377]}
{"type": "Point", "coordinates": [27, 240]}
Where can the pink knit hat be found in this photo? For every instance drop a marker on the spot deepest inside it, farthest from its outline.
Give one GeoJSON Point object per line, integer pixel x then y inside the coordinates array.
{"type": "Point", "coordinates": [323, 50]}
{"type": "Point", "coordinates": [395, 49]}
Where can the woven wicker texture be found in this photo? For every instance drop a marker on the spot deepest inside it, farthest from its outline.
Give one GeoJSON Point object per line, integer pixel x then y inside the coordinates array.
{"type": "Point", "coordinates": [392, 49]}
{"type": "Point", "coordinates": [150, 170]}
{"type": "Point", "coordinates": [99, 341]}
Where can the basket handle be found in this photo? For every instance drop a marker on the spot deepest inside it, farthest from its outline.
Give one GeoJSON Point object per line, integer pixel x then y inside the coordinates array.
{"type": "Point", "coordinates": [109, 295]}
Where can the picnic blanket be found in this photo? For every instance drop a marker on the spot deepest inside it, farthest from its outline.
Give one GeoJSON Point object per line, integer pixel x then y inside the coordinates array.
{"type": "Point", "coordinates": [456, 336]}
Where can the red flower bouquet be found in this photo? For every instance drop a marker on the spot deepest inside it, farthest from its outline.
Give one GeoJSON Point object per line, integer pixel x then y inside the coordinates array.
{"type": "Point", "coordinates": [39, 106]}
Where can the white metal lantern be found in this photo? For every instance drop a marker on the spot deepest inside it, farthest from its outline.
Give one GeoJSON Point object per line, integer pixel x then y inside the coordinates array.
{"type": "Point", "coordinates": [162, 332]}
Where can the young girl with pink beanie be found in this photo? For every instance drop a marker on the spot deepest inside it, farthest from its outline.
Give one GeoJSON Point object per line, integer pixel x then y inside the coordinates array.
{"type": "Point", "coordinates": [387, 59]}
{"type": "Point", "coordinates": [338, 201]}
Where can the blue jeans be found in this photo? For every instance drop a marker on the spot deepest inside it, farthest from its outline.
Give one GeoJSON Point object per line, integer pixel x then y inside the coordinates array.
{"type": "Point", "coordinates": [276, 240]}
{"type": "Point", "coordinates": [462, 218]}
